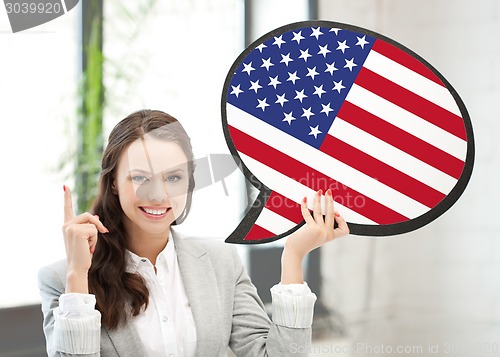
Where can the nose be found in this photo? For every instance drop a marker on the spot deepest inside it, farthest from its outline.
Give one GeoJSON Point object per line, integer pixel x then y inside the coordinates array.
{"type": "Point", "coordinates": [154, 190]}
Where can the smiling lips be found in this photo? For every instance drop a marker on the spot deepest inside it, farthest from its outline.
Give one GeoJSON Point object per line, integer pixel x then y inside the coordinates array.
{"type": "Point", "coordinates": [156, 212]}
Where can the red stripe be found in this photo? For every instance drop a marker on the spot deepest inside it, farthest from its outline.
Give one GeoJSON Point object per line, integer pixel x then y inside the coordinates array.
{"type": "Point", "coordinates": [314, 179]}
{"type": "Point", "coordinates": [285, 207]}
{"type": "Point", "coordinates": [258, 233]}
{"type": "Point", "coordinates": [282, 206]}
{"type": "Point", "coordinates": [401, 139]}
{"type": "Point", "coordinates": [415, 104]}
{"type": "Point", "coordinates": [405, 59]}
{"type": "Point", "coordinates": [382, 172]}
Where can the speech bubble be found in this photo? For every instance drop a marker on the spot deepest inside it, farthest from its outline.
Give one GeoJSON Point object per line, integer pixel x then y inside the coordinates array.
{"type": "Point", "coordinates": [317, 105]}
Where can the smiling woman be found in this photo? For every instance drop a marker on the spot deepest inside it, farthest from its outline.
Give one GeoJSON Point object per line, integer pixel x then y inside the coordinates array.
{"type": "Point", "coordinates": [155, 184]}
{"type": "Point", "coordinates": [153, 143]}
{"type": "Point", "coordinates": [153, 177]}
{"type": "Point", "coordinates": [154, 292]}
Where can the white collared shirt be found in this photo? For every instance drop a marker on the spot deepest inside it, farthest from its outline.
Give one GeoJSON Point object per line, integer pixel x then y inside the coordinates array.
{"type": "Point", "coordinates": [167, 326]}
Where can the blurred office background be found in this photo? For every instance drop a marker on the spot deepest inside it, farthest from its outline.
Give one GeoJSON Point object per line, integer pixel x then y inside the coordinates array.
{"type": "Point", "coordinates": [435, 291]}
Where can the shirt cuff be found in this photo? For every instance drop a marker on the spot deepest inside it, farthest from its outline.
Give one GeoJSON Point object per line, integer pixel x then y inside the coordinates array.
{"type": "Point", "coordinates": [76, 304]}
{"type": "Point", "coordinates": [77, 326]}
{"type": "Point", "coordinates": [293, 305]}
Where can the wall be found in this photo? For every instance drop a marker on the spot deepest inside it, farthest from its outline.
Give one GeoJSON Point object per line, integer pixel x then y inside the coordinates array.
{"type": "Point", "coordinates": [439, 285]}
{"type": "Point", "coordinates": [21, 333]}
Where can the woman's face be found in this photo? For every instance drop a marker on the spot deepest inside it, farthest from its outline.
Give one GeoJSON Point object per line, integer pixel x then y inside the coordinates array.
{"type": "Point", "coordinates": [151, 181]}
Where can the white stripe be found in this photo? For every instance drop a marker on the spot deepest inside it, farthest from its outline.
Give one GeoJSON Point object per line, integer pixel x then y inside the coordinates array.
{"type": "Point", "coordinates": [392, 156]}
{"type": "Point", "coordinates": [296, 191]}
{"type": "Point", "coordinates": [407, 121]}
{"type": "Point", "coordinates": [273, 222]}
{"type": "Point", "coordinates": [412, 81]}
{"type": "Point", "coordinates": [324, 163]}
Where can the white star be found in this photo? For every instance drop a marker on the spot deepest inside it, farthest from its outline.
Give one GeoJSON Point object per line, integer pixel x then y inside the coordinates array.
{"type": "Point", "coordinates": [304, 54]}
{"type": "Point", "coordinates": [300, 95]}
{"type": "Point", "coordinates": [255, 85]}
{"type": "Point", "coordinates": [319, 91]}
{"type": "Point", "coordinates": [349, 64]}
{"type": "Point", "coordinates": [262, 104]}
{"type": "Point", "coordinates": [278, 41]}
{"type": "Point", "coordinates": [273, 81]}
{"type": "Point", "coordinates": [307, 113]}
{"type": "Point", "coordinates": [362, 41]}
{"type": "Point", "coordinates": [331, 68]}
{"type": "Point", "coordinates": [336, 30]}
{"type": "Point", "coordinates": [297, 37]}
{"type": "Point", "coordinates": [338, 86]}
{"type": "Point", "coordinates": [288, 118]}
{"type": "Point", "coordinates": [261, 47]}
{"type": "Point", "coordinates": [323, 50]}
{"type": "Point", "coordinates": [316, 32]}
{"type": "Point", "coordinates": [281, 99]}
{"type": "Point", "coordinates": [236, 90]}
{"type": "Point", "coordinates": [342, 46]}
{"type": "Point", "coordinates": [315, 131]}
{"type": "Point", "coordinates": [311, 72]}
{"type": "Point", "coordinates": [248, 68]}
{"type": "Point", "coordinates": [293, 77]}
{"type": "Point", "coordinates": [286, 59]}
{"type": "Point", "coordinates": [326, 109]}
{"type": "Point", "coordinates": [267, 63]}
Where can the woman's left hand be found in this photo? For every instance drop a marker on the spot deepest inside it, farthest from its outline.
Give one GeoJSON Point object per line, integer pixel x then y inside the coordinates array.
{"type": "Point", "coordinates": [318, 229]}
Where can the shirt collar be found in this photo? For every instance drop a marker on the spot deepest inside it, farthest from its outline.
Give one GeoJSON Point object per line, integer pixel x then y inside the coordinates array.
{"type": "Point", "coordinates": [165, 258]}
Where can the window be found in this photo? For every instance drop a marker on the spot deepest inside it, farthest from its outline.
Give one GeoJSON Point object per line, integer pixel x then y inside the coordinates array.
{"type": "Point", "coordinates": [38, 70]}
{"type": "Point", "coordinates": [167, 55]}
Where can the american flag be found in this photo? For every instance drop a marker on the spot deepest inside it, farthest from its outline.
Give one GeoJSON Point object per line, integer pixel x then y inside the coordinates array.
{"type": "Point", "coordinates": [317, 107]}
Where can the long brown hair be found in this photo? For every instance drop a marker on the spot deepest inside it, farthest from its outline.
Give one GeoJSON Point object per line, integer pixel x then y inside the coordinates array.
{"type": "Point", "coordinates": [115, 289]}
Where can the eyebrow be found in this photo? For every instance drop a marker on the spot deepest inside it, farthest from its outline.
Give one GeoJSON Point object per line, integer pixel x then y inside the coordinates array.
{"type": "Point", "coordinates": [166, 171]}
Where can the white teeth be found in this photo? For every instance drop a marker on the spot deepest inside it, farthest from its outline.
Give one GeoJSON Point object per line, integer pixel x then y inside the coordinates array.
{"type": "Point", "coordinates": [154, 211]}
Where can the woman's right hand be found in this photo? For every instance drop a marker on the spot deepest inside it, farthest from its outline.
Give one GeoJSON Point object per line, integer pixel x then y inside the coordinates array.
{"type": "Point", "coordinates": [80, 239]}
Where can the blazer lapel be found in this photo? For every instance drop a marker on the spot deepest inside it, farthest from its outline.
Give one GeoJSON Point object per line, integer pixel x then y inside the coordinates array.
{"type": "Point", "coordinates": [202, 291]}
{"type": "Point", "coordinates": [126, 341]}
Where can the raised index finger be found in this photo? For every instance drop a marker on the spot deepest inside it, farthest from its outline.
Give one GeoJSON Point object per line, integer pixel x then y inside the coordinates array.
{"type": "Point", "coordinates": [69, 214]}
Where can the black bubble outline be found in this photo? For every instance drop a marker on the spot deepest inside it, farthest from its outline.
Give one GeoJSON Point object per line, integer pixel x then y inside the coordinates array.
{"type": "Point", "coordinates": [382, 230]}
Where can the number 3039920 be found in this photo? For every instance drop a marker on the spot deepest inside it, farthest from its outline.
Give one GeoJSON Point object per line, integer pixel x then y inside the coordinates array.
{"type": "Point", "coordinates": [33, 8]}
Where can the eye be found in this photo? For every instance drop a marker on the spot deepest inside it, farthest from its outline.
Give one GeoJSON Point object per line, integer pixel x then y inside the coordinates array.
{"type": "Point", "coordinates": [173, 178]}
{"type": "Point", "coordinates": [139, 179]}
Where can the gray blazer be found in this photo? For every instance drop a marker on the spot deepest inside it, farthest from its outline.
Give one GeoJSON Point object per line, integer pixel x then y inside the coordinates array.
{"type": "Point", "coordinates": [226, 308]}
